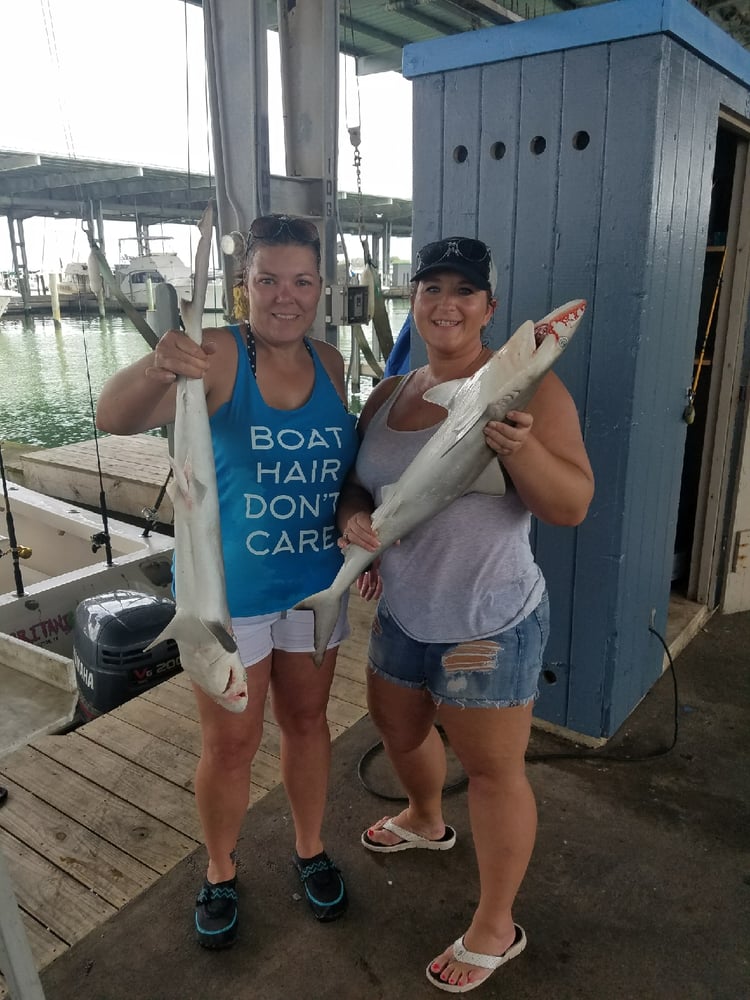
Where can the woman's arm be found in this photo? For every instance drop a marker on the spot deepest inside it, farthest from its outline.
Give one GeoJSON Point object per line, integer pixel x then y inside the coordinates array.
{"type": "Point", "coordinates": [142, 396]}
{"type": "Point", "coordinates": [545, 456]}
{"type": "Point", "coordinates": [355, 504]}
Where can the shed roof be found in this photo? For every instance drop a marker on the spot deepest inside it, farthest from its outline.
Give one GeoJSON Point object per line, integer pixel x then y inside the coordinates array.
{"type": "Point", "coordinates": [597, 23]}
{"type": "Point", "coordinates": [375, 31]}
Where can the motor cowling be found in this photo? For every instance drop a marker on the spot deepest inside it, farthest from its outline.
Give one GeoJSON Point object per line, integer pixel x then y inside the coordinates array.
{"type": "Point", "coordinates": [110, 634]}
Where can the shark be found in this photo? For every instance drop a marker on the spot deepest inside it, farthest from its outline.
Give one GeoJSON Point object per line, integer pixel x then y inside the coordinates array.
{"type": "Point", "coordinates": [201, 625]}
{"type": "Point", "coordinates": [456, 459]}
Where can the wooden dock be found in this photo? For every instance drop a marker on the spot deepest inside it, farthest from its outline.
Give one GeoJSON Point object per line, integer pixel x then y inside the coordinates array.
{"type": "Point", "coordinates": [134, 470]}
{"type": "Point", "coordinates": [96, 816]}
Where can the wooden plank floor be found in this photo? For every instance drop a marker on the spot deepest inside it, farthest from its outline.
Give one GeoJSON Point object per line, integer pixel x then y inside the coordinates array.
{"type": "Point", "coordinates": [96, 816]}
{"type": "Point", "coordinates": [134, 469]}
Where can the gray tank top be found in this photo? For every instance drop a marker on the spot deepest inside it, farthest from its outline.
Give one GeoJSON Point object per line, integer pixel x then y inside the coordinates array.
{"type": "Point", "coordinates": [467, 573]}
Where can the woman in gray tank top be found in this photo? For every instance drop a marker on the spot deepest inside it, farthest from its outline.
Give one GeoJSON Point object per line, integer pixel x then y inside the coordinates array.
{"type": "Point", "coordinates": [460, 629]}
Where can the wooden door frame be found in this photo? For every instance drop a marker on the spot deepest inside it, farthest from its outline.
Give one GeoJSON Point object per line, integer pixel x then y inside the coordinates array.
{"type": "Point", "coordinates": [709, 563]}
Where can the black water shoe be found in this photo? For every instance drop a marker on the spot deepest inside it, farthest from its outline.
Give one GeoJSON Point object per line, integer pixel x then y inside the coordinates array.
{"type": "Point", "coordinates": [216, 916]}
{"type": "Point", "coordinates": [324, 886]}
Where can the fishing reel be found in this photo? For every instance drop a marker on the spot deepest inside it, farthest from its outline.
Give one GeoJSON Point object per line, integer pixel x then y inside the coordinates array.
{"type": "Point", "coordinates": [19, 551]}
{"type": "Point", "coordinates": [98, 540]}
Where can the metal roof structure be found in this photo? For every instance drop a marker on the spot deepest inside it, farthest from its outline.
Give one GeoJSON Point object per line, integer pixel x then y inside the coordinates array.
{"type": "Point", "coordinates": [34, 184]}
{"type": "Point", "coordinates": [374, 32]}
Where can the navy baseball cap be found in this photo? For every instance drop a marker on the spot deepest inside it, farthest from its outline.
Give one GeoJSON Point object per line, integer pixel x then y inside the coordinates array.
{"type": "Point", "coordinates": [470, 258]}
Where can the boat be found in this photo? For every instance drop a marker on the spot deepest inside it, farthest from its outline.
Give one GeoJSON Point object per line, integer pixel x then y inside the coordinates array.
{"type": "Point", "coordinates": [63, 563]}
{"type": "Point", "coordinates": [135, 274]}
{"type": "Point", "coordinates": [7, 295]}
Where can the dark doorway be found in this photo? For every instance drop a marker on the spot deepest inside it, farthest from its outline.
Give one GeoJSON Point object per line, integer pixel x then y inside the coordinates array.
{"type": "Point", "coordinates": [721, 200]}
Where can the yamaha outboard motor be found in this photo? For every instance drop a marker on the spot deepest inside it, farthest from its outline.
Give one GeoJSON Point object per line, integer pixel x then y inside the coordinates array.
{"type": "Point", "coordinates": [109, 636]}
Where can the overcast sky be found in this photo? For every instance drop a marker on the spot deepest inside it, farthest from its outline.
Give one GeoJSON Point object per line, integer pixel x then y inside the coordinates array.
{"type": "Point", "coordinates": [100, 79]}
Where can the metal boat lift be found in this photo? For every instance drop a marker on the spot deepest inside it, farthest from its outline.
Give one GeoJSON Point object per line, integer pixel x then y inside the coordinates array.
{"type": "Point", "coordinates": [235, 36]}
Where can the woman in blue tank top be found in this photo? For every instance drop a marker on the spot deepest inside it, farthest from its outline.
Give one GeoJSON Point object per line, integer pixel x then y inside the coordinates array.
{"type": "Point", "coordinates": [460, 630]}
{"type": "Point", "coordinates": [283, 442]}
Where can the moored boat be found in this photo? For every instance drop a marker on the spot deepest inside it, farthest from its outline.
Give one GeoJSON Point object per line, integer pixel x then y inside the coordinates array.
{"type": "Point", "coordinates": [135, 274]}
{"type": "Point", "coordinates": [64, 562]}
{"type": "Point", "coordinates": [7, 295]}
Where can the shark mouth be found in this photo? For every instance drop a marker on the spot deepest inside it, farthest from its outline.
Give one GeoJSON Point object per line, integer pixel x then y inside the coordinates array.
{"type": "Point", "coordinates": [558, 323]}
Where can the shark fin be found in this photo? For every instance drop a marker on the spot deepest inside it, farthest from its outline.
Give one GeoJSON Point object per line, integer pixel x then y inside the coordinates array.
{"type": "Point", "coordinates": [461, 431]}
{"type": "Point", "coordinates": [444, 393]}
{"type": "Point", "coordinates": [221, 635]}
{"type": "Point", "coordinates": [387, 492]}
{"type": "Point", "coordinates": [490, 481]}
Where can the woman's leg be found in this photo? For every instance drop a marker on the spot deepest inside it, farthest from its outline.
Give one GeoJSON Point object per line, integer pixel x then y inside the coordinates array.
{"type": "Point", "coordinates": [404, 716]}
{"type": "Point", "coordinates": [300, 696]}
{"type": "Point", "coordinates": [299, 692]}
{"type": "Point", "coordinates": [222, 780]}
{"type": "Point", "coordinates": [491, 744]}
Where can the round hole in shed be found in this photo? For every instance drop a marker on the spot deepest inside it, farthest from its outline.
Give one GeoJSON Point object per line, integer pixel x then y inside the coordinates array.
{"type": "Point", "coordinates": [497, 150]}
{"type": "Point", "coordinates": [460, 154]}
{"type": "Point", "coordinates": [538, 145]}
{"type": "Point", "coordinates": [549, 676]}
{"type": "Point", "coordinates": [581, 140]}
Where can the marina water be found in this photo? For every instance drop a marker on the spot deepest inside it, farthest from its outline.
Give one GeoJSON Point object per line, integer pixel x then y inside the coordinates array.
{"type": "Point", "coordinates": [45, 400]}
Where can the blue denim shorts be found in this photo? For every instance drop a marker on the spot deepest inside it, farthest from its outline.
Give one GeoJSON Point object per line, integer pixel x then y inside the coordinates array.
{"type": "Point", "coordinates": [499, 671]}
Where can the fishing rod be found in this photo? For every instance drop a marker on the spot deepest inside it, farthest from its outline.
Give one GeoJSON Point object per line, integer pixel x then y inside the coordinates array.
{"type": "Point", "coordinates": [101, 537]}
{"type": "Point", "coordinates": [16, 553]}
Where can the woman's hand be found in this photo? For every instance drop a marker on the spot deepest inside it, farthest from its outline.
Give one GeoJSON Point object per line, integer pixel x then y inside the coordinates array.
{"type": "Point", "coordinates": [176, 354]}
{"type": "Point", "coordinates": [507, 438]}
{"type": "Point", "coordinates": [370, 583]}
{"type": "Point", "coordinates": [358, 530]}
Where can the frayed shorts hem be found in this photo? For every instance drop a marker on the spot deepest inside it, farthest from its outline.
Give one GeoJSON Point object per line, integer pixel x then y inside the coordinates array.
{"type": "Point", "coordinates": [498, 671]}
{"type": "Point", "coordinates": [453, 702]}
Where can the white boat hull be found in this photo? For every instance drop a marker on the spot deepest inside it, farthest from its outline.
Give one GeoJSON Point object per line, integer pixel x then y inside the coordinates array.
{"type": "Point", "coordinates": [62, 569]}
{"type": "Point", "coordinates": [6, 297]}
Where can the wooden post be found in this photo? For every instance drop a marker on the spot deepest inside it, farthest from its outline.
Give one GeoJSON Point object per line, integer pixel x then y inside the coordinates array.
{"type": "Point", "coordinates": [16, 959]}
{"type": "Point", "coordinates": [54, 297]}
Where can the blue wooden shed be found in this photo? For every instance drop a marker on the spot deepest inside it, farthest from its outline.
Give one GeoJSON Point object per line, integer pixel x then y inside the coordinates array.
{"type": "Point", "coordinates": [603, 153]}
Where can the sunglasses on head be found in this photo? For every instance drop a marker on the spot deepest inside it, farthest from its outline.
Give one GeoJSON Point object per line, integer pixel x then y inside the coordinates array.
{"type": "Point", "coordinates": [470, 250]}
{"type": "Point", "coordinates": [284, 228]}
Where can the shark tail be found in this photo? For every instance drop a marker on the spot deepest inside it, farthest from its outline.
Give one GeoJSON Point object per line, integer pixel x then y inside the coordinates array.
{"type": "Point", "coordinates": [326, 606]}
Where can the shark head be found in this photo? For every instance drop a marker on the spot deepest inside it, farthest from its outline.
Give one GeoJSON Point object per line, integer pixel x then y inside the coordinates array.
{"type": "Point", "coordinates": [561, 323]}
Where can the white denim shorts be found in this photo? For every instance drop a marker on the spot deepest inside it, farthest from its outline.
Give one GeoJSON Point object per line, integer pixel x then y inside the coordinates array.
{"type": "Point", "coordinates": [291, 631]}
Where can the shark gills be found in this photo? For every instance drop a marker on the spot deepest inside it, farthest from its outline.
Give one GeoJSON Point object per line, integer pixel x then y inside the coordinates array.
{"type": "Point", "coordinates": [201, 625]}
{"type": "Point", "coordinates": [456, 459]}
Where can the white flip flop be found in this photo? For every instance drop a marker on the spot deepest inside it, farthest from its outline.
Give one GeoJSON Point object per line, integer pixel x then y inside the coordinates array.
{"type": "Point", "coordinates": [492, 962]}
{"type": "Point", "coordinates": [409, 840]}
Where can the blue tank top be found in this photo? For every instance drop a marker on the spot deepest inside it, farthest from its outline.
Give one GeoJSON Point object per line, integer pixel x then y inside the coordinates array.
{"type": "Point", "coordinates": [279, 473]}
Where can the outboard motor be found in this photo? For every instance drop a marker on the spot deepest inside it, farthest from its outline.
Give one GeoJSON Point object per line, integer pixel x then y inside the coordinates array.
{"type": "Point", "coordinates": [109, 635]}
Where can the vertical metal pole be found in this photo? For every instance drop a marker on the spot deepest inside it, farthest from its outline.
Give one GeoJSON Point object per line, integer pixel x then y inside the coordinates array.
{"type": "Point", "coordinates": [309, 42]}
{"type": "Point", "coordinates": [385, 269]}
{"type": "Point", "coordinates": [16, 959]}
{"type": "Point", "coordinates": [237, 61]}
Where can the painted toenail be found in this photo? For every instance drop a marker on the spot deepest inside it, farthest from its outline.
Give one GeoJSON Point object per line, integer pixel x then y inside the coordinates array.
{"type": "Point", "coordinates": [436, 966]}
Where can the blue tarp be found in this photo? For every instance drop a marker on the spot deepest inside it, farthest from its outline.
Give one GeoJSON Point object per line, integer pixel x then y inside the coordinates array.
{"type": "Point", "coordinates": [398, 359]}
